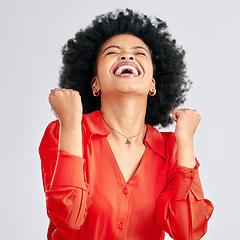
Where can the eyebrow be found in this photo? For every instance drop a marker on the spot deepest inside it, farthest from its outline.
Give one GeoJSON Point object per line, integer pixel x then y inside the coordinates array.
{"type": "Point", "coordinates": [111, 46]}
{"type": "Point", "coordinates": [141, 48]}
{"type": "Point", "coordinates": [115, 46]}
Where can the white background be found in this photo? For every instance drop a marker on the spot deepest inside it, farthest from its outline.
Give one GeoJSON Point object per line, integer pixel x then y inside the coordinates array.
{"type": "Point", "coordinates": [32, 35]}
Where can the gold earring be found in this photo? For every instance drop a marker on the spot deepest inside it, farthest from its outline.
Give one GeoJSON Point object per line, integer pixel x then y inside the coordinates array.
{"type": "Point", "coordinates": [152, 93]}
{"type": "Point", "coordinates": [96, 94]}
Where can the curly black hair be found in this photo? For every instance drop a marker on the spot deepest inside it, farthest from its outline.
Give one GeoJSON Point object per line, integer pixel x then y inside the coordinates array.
{"type": "Point", "coordinates": [80, 56]}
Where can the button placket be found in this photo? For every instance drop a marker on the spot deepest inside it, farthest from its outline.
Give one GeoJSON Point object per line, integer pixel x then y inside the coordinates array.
{"type": "Point", "coordinates": [123, 214]}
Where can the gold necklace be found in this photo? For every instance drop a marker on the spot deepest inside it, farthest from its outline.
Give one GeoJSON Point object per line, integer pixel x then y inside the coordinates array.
{"type": "Point", "coordinates": [127, 138]}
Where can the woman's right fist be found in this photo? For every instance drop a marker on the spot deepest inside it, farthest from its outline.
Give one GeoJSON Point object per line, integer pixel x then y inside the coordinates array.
{"type": "Point", "coordinates": [66, 105]}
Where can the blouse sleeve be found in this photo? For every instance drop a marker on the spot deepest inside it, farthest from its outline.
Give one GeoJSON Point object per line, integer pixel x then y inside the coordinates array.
{"type": "Point", "coordinates": [67, 198]}
{"type": "Point", "coordinates": [182, 210]}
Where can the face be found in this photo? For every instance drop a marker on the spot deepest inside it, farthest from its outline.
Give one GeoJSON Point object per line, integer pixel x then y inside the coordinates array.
{"type": "Point", "coordinates": [124, 65]}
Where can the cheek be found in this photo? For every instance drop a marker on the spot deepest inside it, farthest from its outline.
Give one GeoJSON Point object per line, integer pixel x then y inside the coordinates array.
{"type": "Point", "coordinates": [103, 73]}
{"type": "Point", "coordinates": [149, 71]}
{"type": "Point", "coordinates": [103, 67]}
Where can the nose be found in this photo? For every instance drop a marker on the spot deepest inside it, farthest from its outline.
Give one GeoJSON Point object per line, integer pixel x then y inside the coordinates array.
{"type": "Point", "coordinates": [126, 57]}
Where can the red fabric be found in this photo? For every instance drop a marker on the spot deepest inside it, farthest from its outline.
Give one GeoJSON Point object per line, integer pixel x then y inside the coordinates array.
{"type": "Point", "coordinates": [88, 198]}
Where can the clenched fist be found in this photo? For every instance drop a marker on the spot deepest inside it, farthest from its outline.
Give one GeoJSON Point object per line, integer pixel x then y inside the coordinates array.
{"type": "Point", "coordinates": [66, 105]}
{"type": "Point", "coordinates": [187, 121]}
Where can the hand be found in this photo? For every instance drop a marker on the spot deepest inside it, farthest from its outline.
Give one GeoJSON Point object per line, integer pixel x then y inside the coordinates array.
{"type": "Point", "coordinates": [187, 121]}
{"type": "Point", "coordinates": [66, 105]}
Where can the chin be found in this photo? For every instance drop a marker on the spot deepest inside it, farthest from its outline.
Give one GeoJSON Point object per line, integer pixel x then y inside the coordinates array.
{"type": "Point", "coordinates": [132, 91]}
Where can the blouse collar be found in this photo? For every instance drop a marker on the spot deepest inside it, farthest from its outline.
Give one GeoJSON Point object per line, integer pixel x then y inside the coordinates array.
{"type": "Point", "coordinates": [156, 140]}
{"type": "Point", "coordinates": [95, 125]}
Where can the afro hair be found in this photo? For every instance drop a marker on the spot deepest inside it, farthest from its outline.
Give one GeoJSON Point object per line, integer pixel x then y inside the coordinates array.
{"type": "Point", "coordinates": [80, 56]}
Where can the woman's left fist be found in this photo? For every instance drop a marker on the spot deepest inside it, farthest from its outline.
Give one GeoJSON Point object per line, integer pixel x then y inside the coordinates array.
{"type": "Point", "coordinates": [187, 121]}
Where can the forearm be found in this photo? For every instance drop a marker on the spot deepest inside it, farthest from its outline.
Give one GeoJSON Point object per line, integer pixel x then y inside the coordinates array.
{"type": "Point", "coordinates": [71, 138]}
{"type": "Point", "coordinates": [67, 106]}
{"type": "Point", "coordinates": [186, 156]}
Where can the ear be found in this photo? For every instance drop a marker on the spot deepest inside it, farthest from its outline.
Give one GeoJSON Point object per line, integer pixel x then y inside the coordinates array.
{"type": "Point", "coordinates": [95, 84]}
{"type": "Point", "coordinates": [153, 84]}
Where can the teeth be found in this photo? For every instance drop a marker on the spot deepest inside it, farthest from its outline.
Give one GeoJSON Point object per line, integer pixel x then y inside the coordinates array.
{"type": "Point", "coordinates": [121, 68]}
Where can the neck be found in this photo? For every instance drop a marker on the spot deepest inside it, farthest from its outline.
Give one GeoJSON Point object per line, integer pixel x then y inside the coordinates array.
{"type": "Point", "coordinates": [126, 116]}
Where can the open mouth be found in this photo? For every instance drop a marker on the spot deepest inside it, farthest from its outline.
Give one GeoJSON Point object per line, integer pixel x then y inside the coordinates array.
{"type": "Point", "coordinates": [126, 70]}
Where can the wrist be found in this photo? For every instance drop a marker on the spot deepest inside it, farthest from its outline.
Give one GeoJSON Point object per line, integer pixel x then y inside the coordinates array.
{"type": "Point", "coordinates": [184, 140]}
{"type": "Point", "coordinates": [71, 123]}
{"type": "Point", "coordinates": [71, 138]}
{"type": "Point", "coordinates": [186, 156]}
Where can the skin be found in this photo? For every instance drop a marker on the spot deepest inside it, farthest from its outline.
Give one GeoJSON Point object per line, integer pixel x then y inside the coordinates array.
{"type": "Point", "coordinates": [123, 105]}
{"type": "Point", "coordinates": [67, 107]}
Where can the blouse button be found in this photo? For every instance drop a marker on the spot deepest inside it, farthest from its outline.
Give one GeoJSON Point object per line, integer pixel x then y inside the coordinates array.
{"type": "Point", "coordinates": [125, 191]}
{"type": "Point", "coordinates": [120, 225]}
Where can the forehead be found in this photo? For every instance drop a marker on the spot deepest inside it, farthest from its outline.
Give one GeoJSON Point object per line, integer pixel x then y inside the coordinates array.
{"type": "Point", "coordinates": [124, 41]}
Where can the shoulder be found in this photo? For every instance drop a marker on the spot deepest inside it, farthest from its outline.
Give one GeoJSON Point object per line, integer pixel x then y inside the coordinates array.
{"type": "Point", "coordinates": [160, 142]}
{"type": "Point", "coordinates": [91, 118]}
{"type": "Point", "coordinates": [51, 136]}
{"type": "Point", "coordinates": [93, 124]}
{"type": "Point", "coordinates": [158, 136]}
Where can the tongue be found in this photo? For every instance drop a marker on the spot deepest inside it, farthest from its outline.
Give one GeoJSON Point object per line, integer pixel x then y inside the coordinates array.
{"type": "Point", "coordinates": [126, 71]}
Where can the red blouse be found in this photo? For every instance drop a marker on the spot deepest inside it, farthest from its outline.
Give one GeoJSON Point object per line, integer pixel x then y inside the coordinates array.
{"type": "Point", "coordinates": [88, 198]}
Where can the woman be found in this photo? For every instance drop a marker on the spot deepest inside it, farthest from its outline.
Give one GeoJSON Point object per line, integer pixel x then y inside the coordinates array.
{"type": "Point", "coordinates": [107, 173]}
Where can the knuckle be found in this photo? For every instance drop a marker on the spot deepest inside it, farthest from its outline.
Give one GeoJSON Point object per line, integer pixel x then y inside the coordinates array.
{"type": "Point", "coordinates": [75, 92]}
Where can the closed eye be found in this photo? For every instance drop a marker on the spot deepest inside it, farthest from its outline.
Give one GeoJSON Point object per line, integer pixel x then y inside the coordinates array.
{"type": "Point", "coordinates": [109, 53]}
{"type": "Point", "coordinates": [140, 53]}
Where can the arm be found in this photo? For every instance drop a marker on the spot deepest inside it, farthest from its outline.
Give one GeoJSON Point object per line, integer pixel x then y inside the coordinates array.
{"type": "Point", "coordinates": [62, 166]}
{"type": "Point", "coordinates": [186, 124]}
{"type": "Point", "coordinates": [182, 210]}
{"type": "Point", "coordinates": [67, 107]}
